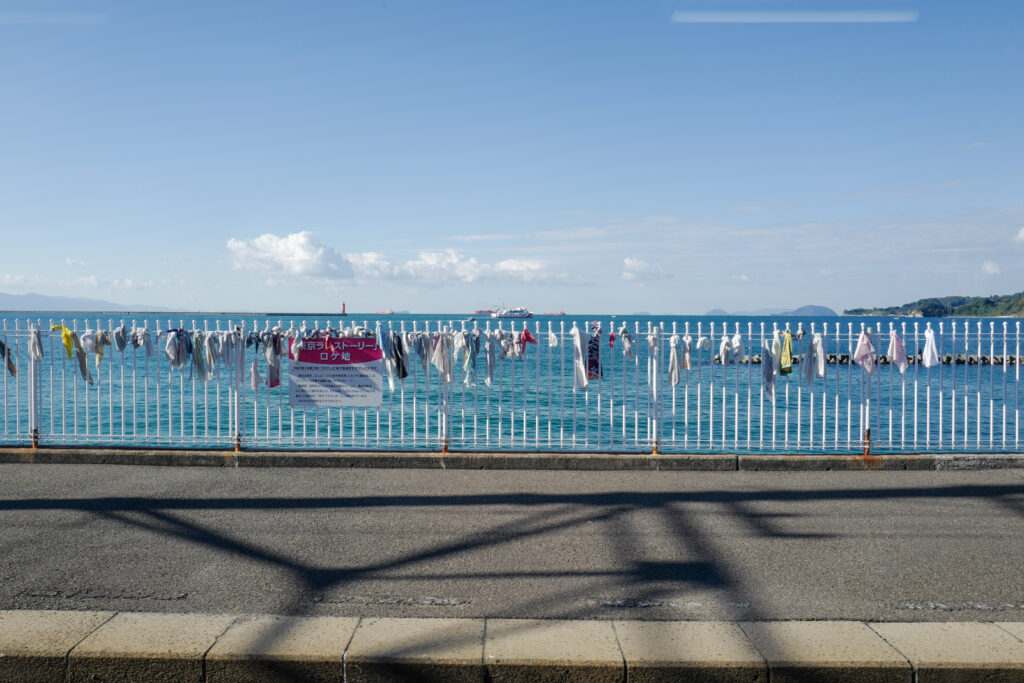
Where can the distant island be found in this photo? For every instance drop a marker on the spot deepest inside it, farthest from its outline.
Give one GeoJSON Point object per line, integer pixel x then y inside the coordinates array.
{"type": "Point", "coordinates": [42, 302]}
{"type": "Point", "coordinates": [1003, 305]}
{"type": "Point", "coordinates": [803, 311]}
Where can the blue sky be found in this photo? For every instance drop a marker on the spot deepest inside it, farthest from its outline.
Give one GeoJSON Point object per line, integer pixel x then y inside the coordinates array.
{"type": "Point", "coordinates": [444, 156]}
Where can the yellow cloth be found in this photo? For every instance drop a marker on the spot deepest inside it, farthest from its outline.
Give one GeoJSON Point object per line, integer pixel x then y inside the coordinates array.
{"type": "Point", "coordinates": [65, 334]}
{"type": "Point", "coordinates": [786, 362]}
{"type": "Point", "coordinates": [74, 349]}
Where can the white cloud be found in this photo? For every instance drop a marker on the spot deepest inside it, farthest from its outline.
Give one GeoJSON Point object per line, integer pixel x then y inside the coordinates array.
{"type": "Point", "coordinates": [519, 267]}
{"type": "Point", "coordinates": [1020, 235]}
{"type": "Point", "coordinates": [86, 281]}
{"type": "Point", "coordinates": [448, 265]}
{"type": "Point", "coordinates": [741, 277]}
{"type": "Point", "coordinates": [129, 283]}
{"type": "Point", "coordinates": [299, 253]}
{"type": "Point", "coordinates": [371, 265]}
{"type": "Point", "coordinates": [302, 254]}
{"type": "Point", "coordinates": [94, 282]}
{"type": "Point", "coordinates": [795, 17]}
{"type": "Point", "coordinates": [438, 266]}
{"type": "Point", "coordinates": [638, 270]}
{"type": "Point", "coordinates": [990, 268]}
{"type": "Point", "coordinates": [10, 280]}
{"type": "Point", "coordinates": [74, 262]}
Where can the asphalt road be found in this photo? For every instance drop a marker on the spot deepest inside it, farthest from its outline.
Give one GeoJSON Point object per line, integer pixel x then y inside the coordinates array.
{"type": "Point", "coordinates": [913, 546]}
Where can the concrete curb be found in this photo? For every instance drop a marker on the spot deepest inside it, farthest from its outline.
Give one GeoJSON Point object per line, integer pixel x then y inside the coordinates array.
{"type": "Point", "coordinates": [672, 462]}
{"type": "Point", "coordinates": [57, 646]}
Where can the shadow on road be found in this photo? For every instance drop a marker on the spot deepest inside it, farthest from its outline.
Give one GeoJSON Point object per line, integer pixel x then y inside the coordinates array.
{"type": "Point", "coordinates": [646, 581]}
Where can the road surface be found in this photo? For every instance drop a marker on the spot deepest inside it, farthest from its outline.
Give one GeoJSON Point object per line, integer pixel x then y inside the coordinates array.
{"type": "Point", "coordinates": [907, 546]}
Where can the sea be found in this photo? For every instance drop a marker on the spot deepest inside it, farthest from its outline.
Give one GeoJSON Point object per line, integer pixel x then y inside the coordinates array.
{"type": "Point", "coordinates": [531, 403]}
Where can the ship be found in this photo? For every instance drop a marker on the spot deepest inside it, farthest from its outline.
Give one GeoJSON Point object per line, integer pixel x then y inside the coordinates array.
{"type": "Point", "coordinates": [484, 311]}
{"type": "Point", "coordinates": [517, 312]}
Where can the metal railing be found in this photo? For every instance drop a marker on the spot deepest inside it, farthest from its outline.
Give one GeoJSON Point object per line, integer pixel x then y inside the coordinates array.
{"type": "Point", "coordinates": [646, 400]}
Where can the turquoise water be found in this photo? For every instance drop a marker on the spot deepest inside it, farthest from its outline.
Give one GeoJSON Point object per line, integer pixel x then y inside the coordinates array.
{"type": "Point", "coordinates": [531, 404]}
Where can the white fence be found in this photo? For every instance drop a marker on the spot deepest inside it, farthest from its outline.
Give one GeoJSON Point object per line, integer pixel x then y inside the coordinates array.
{"type": "Point", "coordinates": [528, 400]}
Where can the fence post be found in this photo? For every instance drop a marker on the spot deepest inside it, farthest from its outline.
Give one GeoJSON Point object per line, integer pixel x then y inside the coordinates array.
{"type": "Point", "coordinates": [444, 416]}
{"type": "Point", "coordinates": [240, 386]}
{"type": "Point", "coordinates": [655, 335]}
{"type": "Point", "coordinates": [444, 386]}
{"type": "Point", "coordinates": [33, 387]}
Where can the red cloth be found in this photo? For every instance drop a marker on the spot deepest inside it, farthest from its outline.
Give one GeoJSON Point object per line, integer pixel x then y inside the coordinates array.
{"type": "Point", "coordinates": [527, 338]}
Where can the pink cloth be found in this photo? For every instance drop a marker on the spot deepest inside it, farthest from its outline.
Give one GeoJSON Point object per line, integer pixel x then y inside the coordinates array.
{"type": "Point", "coordinates": [897, 352]}
{"type": "Point", "coordinates": [864, 354]}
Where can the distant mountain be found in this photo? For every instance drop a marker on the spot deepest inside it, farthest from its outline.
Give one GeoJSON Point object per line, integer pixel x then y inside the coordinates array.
{"type": "Point", "coordinates": [42, 302]}
{"type": "Point", "coordinates": [808, 311]}
{"type": "Point", "coordinates": [953, 307]}
{"type": "Point", "coordinates": [813, 311]}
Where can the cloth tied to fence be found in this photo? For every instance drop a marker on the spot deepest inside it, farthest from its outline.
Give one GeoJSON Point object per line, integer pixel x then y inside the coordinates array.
{"type": "Point", "coordinates": [864, 354]}
{"type": "Point", "coordinates": [897, 352]}
{"type": "Point", "coordinates": [627, 343]}
{"type": "Point", "coordinates": [769, 369]}
{"type": "Point", "coordinates": [930, 355]}
{"type": "Point", "coordinates": [813, 362]}
{"type": "Point", "coordinates": [5, 353]}
{"type": "Point", "coordinates": [580, 377]}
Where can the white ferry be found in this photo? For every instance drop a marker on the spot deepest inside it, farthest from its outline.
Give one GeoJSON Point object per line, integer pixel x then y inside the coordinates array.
{"type": "Point", "coordinates": [518, 312]}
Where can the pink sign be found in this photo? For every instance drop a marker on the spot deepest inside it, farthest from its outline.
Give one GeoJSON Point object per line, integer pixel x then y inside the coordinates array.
{"type": "Point", "coordinates": [339, 351]}
{"type": "Point", "coordinates": [339, 371]}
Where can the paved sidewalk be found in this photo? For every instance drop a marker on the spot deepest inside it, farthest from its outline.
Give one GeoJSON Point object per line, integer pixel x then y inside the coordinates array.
{"type": "Point", "coordinates": [717, 462]}
{"type": "Point", "coordinates": [142, 646]}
